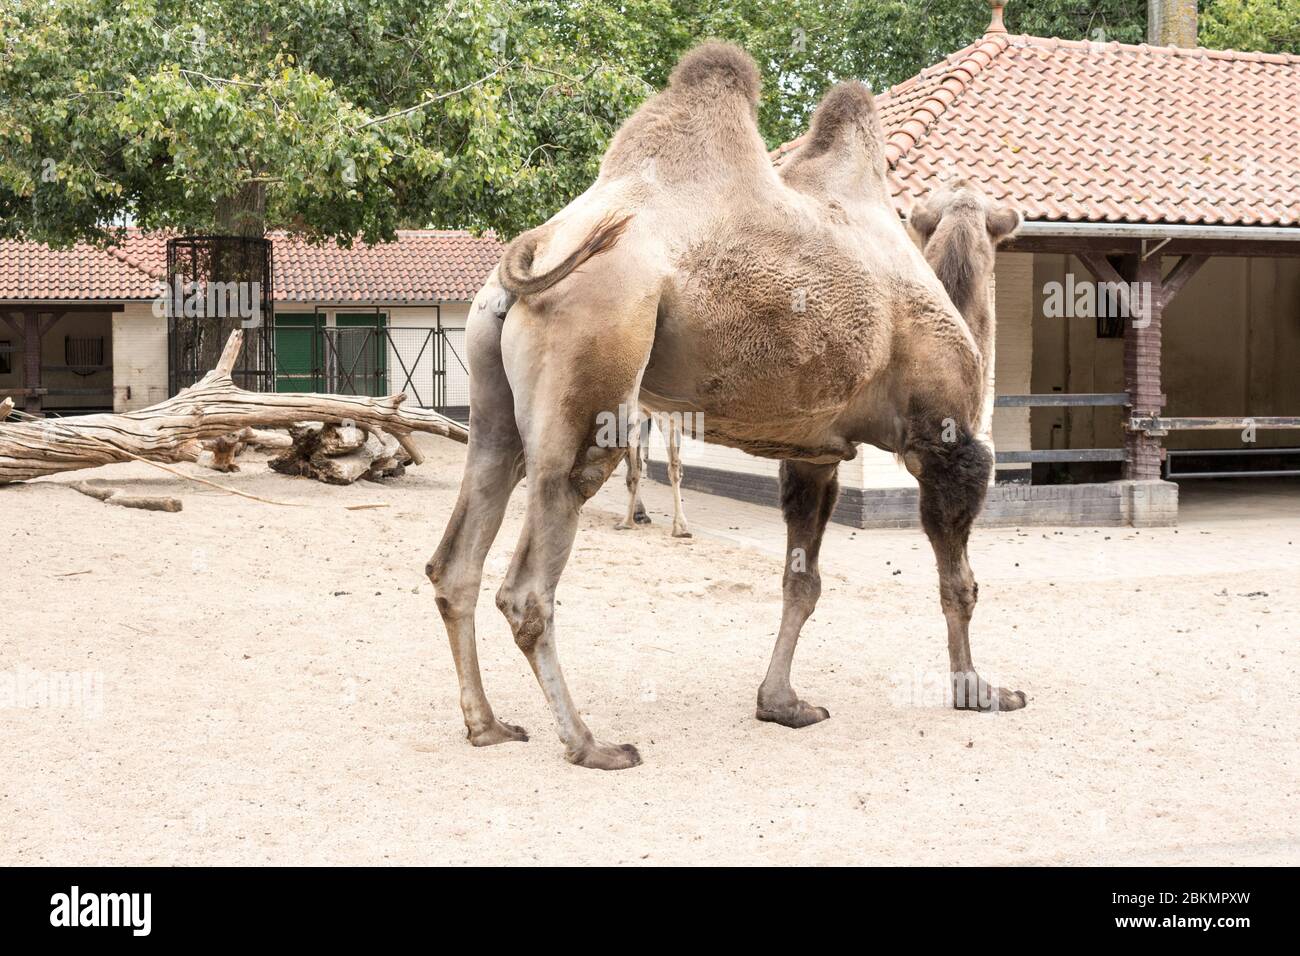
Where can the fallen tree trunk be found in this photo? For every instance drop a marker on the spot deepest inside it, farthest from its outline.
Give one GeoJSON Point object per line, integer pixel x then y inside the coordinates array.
{"type": "Point", "coordinates": [212, 408]}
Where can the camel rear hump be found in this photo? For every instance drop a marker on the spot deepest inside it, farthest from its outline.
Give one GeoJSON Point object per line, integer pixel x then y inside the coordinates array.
{"type": "Point", "coordinates": [845, 148]}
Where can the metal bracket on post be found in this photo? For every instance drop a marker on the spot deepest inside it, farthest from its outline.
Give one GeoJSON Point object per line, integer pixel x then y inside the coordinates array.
{"type": "Point", "coordinates": [1149, 425]}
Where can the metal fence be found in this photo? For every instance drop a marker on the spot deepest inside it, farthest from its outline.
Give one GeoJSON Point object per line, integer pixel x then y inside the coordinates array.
{"type": "Point", "coordinates": [428, 364]}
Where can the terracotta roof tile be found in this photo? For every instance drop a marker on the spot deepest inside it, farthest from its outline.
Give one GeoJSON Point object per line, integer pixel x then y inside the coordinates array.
{"type": "Point", "coordinates": [421, 266]}
{"type": "Point", "coordinates": [1104, 132]}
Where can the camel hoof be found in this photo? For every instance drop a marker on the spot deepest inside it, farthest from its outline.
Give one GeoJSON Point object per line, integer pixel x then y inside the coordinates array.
{"type": "Point", "coordinates": [498, 733]}
{"type": "Point", "coordinates": [682, 533]}
{"type": "Point", "coordinates": [623, 526]}
{"type": "Point", "coordinates": [987, 699]}
{"type": "Point", "coordinates": [642, 518]}
{"type": "Point", "coordinates": [602, 756]}
{"type": "Point", "coordinates": [799, 714]}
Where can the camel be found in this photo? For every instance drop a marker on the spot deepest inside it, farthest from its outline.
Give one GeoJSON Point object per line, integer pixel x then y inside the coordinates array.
{"type": "Point", "coordinates": [792, 312]}
{"type": "Point", "coordinates": [960, 229]}
{"type": "Point", "coordinates": [670, 426]}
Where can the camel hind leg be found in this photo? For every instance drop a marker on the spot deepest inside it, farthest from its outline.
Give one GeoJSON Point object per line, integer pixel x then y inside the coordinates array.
{"type": "Point", "coordinates": [493, 467]}
{"type": "Point", "coordinates": [674, 442]}
{"type": "Point", "coordinates": [953, 470]}
{"type": "Point", "coordinates": [636, 462]}
{"type": "Point", "coordinates": [572, 411]}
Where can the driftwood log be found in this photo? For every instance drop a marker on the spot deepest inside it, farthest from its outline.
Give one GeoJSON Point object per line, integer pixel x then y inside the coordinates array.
{"type": "Point", "coordinates": [341, 454]}
{"type": "Point", "coordinates": [210, 409]}
{"type": "Point", "coordinates": [116, 496]}
{"type": "Point", "coordinates": [220, 453]}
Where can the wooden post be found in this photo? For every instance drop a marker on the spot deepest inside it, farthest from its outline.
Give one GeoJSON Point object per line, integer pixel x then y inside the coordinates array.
{"type": "Point", "coordinates": [32, 361]}
{"type": "Point", "coordinates": [1142, 352]}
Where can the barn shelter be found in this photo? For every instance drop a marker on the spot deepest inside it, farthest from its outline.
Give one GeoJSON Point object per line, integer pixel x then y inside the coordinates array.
{"type": "Point", "coordinates": [95, 329]}
{"type": "Point", "coordinates": [1164, 171]}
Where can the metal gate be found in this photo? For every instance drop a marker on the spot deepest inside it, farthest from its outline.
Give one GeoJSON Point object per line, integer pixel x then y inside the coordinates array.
{"type": "Point", "coordinates": [216, 284]}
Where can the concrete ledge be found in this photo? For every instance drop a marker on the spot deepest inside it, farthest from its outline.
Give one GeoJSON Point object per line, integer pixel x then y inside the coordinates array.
{"type": "Point", "coordinates": [1141, 504]}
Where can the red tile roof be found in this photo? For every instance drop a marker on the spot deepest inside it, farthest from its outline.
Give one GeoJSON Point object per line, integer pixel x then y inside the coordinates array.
{"type": "Point", "coordinates": [1106, 132]}
{"type": "Point", "coordinates": [421, 266]}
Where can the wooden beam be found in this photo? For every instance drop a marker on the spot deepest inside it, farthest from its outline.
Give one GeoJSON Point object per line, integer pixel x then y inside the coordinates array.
{"type": "Point", "coordinates": [19, 307]}
{"type": "Point", "coordinates": [50, 321]}
{"type": "Point", "coordinates": [1061, 400]}
{"type": "Point", "coordinates": [12, 322]}
{"type": "Point", "coordinates": [1154, 423]}
{"type": "Point", "coordinates": [1100, 267]}
{"type": "Point", "coordinates": [1186, 268]}
{"type": "Point", "coordinates": [1106, 246]}
{"type": "Point", "coordinates": [1059, 455]}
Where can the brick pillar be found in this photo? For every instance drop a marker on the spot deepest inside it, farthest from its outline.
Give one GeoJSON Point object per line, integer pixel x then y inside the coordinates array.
{"type": "Point", "coordinates": [1142, 372]}
{"type": "Point", "coordinates": [32, 359]}
{"type": "Point", "coordinates": [1171, 23]}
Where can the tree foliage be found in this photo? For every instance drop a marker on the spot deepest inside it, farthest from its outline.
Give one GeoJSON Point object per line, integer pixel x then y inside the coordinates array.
{"type": "Point", "coordinates": [1269, 25]}
{"type": "Point", "coordinates": [337, 119]}
{"type": "Point", "coordinates": [348, 118]}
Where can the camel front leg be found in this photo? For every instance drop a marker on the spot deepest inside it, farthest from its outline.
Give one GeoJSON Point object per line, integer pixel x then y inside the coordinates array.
{"type": "Point", "coordinates": [674, 440]}
{"type": "Point", "coordinates": [808, 494]}
{"type": "Point", "coordinates": [953, 478]}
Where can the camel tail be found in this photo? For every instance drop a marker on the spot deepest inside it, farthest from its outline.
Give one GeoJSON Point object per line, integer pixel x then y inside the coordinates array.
{"type": "Point", "coordinates": [517, 263]}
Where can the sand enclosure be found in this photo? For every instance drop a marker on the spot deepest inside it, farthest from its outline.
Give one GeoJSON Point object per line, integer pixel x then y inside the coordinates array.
{"type": "Point", "coordinates": [242, 683]}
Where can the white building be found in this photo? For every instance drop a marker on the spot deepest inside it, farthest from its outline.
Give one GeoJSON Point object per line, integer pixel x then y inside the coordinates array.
{"type": "Point", "coordinates": [85, 329]}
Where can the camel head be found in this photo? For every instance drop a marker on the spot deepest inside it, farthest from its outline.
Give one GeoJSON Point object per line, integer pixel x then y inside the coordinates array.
{"type": "Point", "coordinates": [960, 229]}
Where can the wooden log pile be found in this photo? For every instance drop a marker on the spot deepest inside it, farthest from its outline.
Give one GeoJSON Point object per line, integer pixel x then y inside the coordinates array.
{"type": "Point", "coordinates": [341, 454]}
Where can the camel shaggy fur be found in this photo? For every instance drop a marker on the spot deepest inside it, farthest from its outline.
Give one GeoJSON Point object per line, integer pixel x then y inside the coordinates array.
{"type": "Point", "coordinates": [792, 312]}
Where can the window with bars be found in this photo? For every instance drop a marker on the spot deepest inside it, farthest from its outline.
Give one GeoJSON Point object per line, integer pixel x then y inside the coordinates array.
{"type": "Point", "coordinates": [84, 355]}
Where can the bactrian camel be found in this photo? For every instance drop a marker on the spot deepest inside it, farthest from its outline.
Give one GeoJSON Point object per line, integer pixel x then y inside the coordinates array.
{"type": "Point", "coordinates": [791, 311]}
{"type": "Point", "coordinates": [960, 229]}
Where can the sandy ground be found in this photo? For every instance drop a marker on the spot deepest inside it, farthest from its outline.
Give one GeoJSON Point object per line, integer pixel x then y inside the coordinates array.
{"type": "Point", "coordinates": [262, 684]}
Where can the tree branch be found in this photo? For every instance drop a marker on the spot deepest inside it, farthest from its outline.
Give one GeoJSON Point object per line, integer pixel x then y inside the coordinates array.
{"type": "Point", "coordinates": [429, 102]}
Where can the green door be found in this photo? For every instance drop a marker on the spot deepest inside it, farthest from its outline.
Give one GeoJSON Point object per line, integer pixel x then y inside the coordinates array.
{"type": "Point", "coordinates": [358, 359]}
{"type": "Point", "coordinates": [295, 351]}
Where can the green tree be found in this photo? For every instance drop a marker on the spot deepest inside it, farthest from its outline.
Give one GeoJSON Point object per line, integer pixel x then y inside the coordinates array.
{"type": "Point", "coordinates": [1272, 26]}
{"type": "Point", "coordinates": [804, 46]}
{"type": "Point", "coordinates": [335, 119]}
